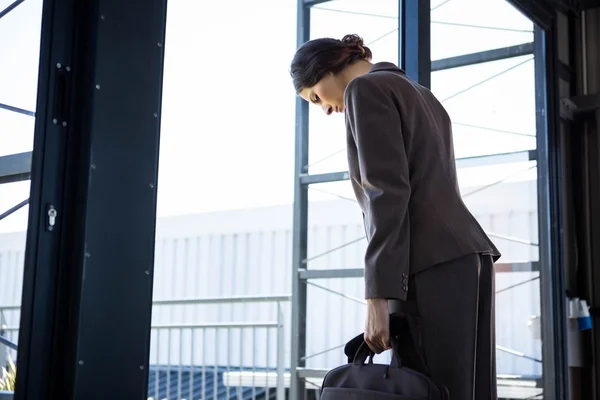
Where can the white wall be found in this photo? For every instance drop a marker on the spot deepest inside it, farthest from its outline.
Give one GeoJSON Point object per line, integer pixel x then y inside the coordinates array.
{"type": "Point", "coordinates": [248, 252]}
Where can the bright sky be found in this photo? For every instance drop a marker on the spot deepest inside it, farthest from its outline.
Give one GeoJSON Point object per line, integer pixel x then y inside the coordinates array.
{"type": "Point", "coordinates": [228, 105]}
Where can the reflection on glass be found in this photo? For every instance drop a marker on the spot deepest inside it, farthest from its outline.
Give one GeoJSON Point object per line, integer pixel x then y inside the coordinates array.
{"type": "Point", "coordinates": [467, 26]}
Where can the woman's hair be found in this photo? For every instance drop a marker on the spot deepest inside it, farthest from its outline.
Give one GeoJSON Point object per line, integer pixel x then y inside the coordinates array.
{"type": "Point", "coordinates": [318, 57]}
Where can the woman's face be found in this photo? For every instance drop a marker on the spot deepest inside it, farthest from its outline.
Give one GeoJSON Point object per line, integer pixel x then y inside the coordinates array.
{"type": "Point", "coordinates": [328, 94]}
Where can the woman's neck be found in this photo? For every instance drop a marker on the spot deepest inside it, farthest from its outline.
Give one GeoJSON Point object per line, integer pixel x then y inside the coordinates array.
{"type": "Point", "coordinates": [356, 69]}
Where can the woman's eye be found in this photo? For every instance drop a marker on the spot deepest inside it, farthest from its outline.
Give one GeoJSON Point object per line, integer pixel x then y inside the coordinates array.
{"type": "Point", "coordinates": [317, 99]}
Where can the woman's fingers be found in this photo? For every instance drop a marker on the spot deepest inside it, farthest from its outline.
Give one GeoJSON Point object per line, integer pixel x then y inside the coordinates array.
{"type": "Point", "coordinates": [378, 342]}
{"type": "Point", "coordinates": [373, 346]}
{"type": "Point", "coordinates": [377, 330]}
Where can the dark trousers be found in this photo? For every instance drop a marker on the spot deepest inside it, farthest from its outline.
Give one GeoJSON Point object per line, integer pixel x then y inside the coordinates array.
{"type": "Point", "coordinates": [454, 302]}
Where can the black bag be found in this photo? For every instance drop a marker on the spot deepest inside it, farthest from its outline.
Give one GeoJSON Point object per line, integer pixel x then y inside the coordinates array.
{"type": "Point", "coordinates": [359, 381]}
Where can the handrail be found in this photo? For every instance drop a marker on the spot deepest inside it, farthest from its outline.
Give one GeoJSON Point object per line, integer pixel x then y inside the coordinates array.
{"type": "Point", "coordinates": [203, 301]}
{"type": "Point", "coordinates": [224, 300]}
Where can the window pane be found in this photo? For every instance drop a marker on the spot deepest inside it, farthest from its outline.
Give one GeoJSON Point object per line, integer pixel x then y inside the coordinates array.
{"type": "Point", "coordinates": [492, 105]}
{"type": "Point", "coordinates": [16, 131]}
{"type": "Point", "coordinates": [467, 26]}
{"type": "Point", "coordinates": [224, 197]}
{"type": "Point", "coordinates": [377, 24]}
{"type": "Point", "coordinates": [20, 51]}
{"type": "Point", "coordinates": [11, 194]}
{"type": "Point", "coordinates": [12, 255]}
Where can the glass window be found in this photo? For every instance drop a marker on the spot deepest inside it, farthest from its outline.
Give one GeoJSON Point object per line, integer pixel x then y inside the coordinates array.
{"type": "Point", "coordinates": [20, 30]}
{"type": "Point", "coordinates": [223, 237]}
{"type": "Point", "coordinates": [492, 106]}
{"type": "Point", "coordinates": [20, 50]}
{"type": "Point", "coordinates": [487, 114]}
{"type": "Point", "coordinates": [377, 24]}
{"type": "Point", "coordinates": [468, 26]}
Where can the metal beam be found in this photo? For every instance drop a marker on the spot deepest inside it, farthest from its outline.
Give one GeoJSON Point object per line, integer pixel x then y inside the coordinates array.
{"type": "Point", "coordinates": [331, 273]}
{"type": "Point", "coordinates": [463, 162]}
{"type": "Point", "coordinates": [15, 167]}
{"type": "Point", "coordinates": [415, 39]}
{"type": "Point", "coordinates": [551, 216]}
{"type": "Point", "coordinates": [482, 57]}
{"type": "Point", "coordinates": [4, 341]}
{"type": "Point", "coordinates": [300, 222]}
{"type": "Point", "coordinates": [224, 300]}
{"type": "Point", "coordinates": [306, 179]}
{"type": "Point", "coordinates": [307, 274]}
{"type": "Point", "coordinates": [496, 159]}
{"type": "Point", "coordinates": [310, 3]}
{"type": "Point", "coordinates": [17, 110]}
{"type": "Point", "coordinates": [10, 7]}
{"type": "Point", "coordinates": [14, 209]}
{"type": "Point", "coordinates": [539, 12]}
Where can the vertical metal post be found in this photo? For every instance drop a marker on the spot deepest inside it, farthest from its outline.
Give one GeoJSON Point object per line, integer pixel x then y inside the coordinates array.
{"type": "Point", "coordinates": [300, 224]}
{"type": "Point", "coordinates": [3, 349]}
{"type": "Point", "coordinates": [90, 240]}
{"type": "Point", "coordinates": [414, 28]}
{"type": "Point", "coordinates": [280, 353]}
{"type": "Point", "coordinates": [401, 34]}
{"type": "Point", "coordinates": [550, 219]}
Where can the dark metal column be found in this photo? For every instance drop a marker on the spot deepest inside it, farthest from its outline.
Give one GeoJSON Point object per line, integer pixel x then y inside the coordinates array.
{"type": "Point", "coordinates": [551, 218]}
{"type": "Point", "coordinates": [415, 39]}
{"type": "Point", "coordinates": [86, 307]}
{"type": "Point", "coordinates": [300, 223]}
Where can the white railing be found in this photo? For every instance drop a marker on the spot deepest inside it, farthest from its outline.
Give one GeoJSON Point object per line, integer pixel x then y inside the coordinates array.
{"type": "Point", "coordinates": [186, 358]}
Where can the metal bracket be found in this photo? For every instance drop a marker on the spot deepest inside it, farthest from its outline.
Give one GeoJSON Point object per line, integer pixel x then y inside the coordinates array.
{"type": "Point", "coordinates": [574, 107]}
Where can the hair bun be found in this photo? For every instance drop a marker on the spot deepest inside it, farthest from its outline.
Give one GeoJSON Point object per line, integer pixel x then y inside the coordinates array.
{"type": "Point", "coordinates": [355, 42]}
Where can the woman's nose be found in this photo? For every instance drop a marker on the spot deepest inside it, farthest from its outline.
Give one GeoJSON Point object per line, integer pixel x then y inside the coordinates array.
{"type": "Point", "coordinates": [327, 109]}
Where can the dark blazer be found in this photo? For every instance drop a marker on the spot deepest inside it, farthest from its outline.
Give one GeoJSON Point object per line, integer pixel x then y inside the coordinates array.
{"type": "Point", "coordinates": [403, 171]}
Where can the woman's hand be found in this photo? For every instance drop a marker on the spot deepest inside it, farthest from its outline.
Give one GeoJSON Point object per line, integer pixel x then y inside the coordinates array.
{"type": "Point", "coordinates": [377, 331]}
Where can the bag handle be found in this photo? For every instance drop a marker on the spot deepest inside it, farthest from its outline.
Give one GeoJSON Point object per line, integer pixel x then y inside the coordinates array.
{"type": "Point", "coordinates": [405, 339]}
{"type": "Point", "coordinates": [362, 354]}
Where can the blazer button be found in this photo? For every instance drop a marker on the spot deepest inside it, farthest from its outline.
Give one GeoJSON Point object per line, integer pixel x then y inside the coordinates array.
{"type": "Point", "coordinates": [404, 275]}
{"type": "Point", "coordinates": [405, 281]}
{"type": "Point", "coordinates": [405, 288]}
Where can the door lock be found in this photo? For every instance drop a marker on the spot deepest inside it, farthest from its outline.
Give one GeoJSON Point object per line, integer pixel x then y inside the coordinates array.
{"type": "Point", "coordinates": [52, 214]}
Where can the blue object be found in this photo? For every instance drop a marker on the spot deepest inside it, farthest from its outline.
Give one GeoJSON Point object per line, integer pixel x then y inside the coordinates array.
{"type": "Point", "coordinates": [584, 323]}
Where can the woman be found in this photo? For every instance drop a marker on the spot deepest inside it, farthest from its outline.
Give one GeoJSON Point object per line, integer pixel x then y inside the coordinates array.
{"type": "Point", "coordinates": [426, 254]}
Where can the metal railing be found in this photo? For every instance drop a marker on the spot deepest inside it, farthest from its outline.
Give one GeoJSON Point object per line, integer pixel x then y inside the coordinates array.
{"type": "Point", "coordinates": [186, 358]}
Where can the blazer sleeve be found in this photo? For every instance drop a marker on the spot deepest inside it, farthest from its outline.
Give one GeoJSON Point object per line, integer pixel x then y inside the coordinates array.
{"type": "Point", "coordinates": [374, 123]}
